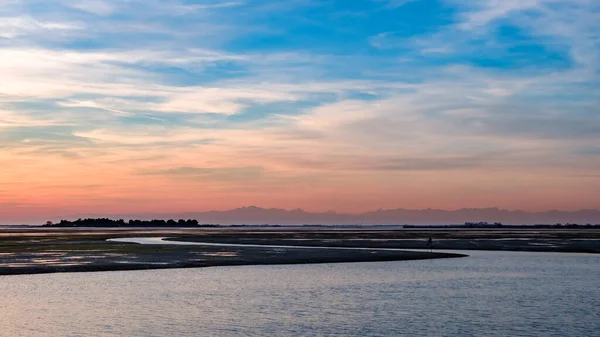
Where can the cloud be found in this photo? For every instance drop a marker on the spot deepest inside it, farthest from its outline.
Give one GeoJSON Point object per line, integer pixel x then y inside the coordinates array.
{"type": "Point", "coordinates": [50, 74]}
{"type": "Point", "coordinates": [221, 100]}
{"type": "Point", "coordinates": [12, 119]}
{"type": "Point", "coordinates": [212, 173]}
{"type": "Point", "coordinates": [215, 5]}
{"type": "Point", "coordinates": [90, 104]}
{"type": "Point", "coordinates": [488, 11]}
{"type": "Point", "coordinates": [434, 126]}
{"type": "Point", "coordinates": [281, 97]}
{"type": "Point", "coordinates": [12, 27]}
{"type": "Point", "coordinates": [388, 40]}
{"type": "Point", "coordinates": [549, 19]}
{"type": "Point", "coordinates": [175, 8]}
{"type": "Point", "coordinates": [98, 7]}
{"type": "Point", "coordinates": [493, 30]}
{"type": "Point", "coordinates": [57, 74]}
{"type": "Point", "coordinates": [149, 136]}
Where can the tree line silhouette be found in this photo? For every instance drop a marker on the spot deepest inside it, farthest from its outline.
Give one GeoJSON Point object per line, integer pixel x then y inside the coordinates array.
{"type": "Point", "coordinates": [106, 222]}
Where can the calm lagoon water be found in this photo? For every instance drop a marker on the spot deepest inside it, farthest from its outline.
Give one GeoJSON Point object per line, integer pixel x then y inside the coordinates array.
{"type": "Point", "coordinates": [486, 294]}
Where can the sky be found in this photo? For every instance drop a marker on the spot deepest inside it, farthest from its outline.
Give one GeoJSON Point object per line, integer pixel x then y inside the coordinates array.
{"type": "Point", "coordinates": [112, 106]}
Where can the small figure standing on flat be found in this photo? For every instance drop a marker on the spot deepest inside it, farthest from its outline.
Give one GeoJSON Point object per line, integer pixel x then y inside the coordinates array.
{"type": "Point", "coordinates": [430, 243]}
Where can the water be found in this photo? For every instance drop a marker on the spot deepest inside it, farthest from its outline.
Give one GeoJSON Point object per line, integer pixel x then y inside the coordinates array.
{"type": "Point", "coordinates": [489, 293]}
{"type": "Point", "coordinates": [164, 241]}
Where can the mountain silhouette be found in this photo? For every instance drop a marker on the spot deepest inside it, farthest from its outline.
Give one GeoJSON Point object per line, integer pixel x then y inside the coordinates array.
{"type": "Point", "coordinates": [258, 215]}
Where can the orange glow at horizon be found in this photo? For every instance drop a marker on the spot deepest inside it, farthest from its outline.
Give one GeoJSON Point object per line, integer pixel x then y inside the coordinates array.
{"type": "Point", "coordinates": [55, 187]}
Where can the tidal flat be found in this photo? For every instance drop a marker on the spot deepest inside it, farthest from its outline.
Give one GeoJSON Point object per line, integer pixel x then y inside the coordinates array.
{"type": "Point", "coordinates": [33, 251]}
{"type": "Point", "coordinates": [36, 250]}
{"type": "Point", "coordinates": [583, 240]}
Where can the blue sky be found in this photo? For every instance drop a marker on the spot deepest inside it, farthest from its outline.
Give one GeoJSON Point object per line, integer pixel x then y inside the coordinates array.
{"type": "Point", "coordinates": [305, 95]}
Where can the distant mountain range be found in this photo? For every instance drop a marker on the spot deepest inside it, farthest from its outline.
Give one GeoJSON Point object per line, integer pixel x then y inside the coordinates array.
{"type": "Point", "coordinates": [258, 215]}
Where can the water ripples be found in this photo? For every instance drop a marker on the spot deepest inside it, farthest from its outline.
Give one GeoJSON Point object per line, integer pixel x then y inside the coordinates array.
{"type": "Point", "coordinates": [488, 293]}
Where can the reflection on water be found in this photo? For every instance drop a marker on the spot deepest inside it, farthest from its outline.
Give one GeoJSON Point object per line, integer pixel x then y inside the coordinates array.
{"type": "Point", "coordinates": [489, 293]}
{"type": "Point", "coordinates": [168, 241]}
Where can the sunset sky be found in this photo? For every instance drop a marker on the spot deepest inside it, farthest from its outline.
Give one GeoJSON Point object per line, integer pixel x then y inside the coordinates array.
{"type": "Point", "coordinates": [349, 105]}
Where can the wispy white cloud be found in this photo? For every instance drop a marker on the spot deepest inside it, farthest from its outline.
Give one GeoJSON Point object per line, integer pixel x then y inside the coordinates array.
{"type": "Point", "coordinates": [65, 74]}
{"type": "Point", "coordinates": [145, 136]}
{"type": "Point", "coordinates": [12, 27]}
{"type": "Point", "coordinates": [476, 24]}
{"type": "Point", "coordinates": [216, 5]}
{"type": "Point", "coordinates": [90, 104]}
{"type": "Point", "coordinates": [487, 11]}
{"type": "Point", "coordinates": [11, 118]}
{"type": "Point", "coordinates": [550, 19]}
{"type": "Point", "coordinates": [99, 7]}
{"type": "Point", "coordinates": [394, 3]}
{"type": "Point", "coordinates": [220, 100]}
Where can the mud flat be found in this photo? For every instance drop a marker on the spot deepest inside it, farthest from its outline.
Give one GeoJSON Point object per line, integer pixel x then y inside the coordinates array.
{"type": "Point", "coordinates": [44, 250]}
{"type": "Point", "coordinates": [74, 250]}
{"type": "Point", "coordinates": [537, 240]}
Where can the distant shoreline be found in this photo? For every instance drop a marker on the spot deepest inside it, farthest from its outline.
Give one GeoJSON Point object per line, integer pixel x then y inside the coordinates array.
{"type": "Point", "coordinates": [109, 223]}
{"type": "Point", "coordinates": [254, 215]}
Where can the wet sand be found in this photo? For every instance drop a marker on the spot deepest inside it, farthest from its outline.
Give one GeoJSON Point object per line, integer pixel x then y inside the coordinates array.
{"type": "Point", "coordinates": [75, 250]}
